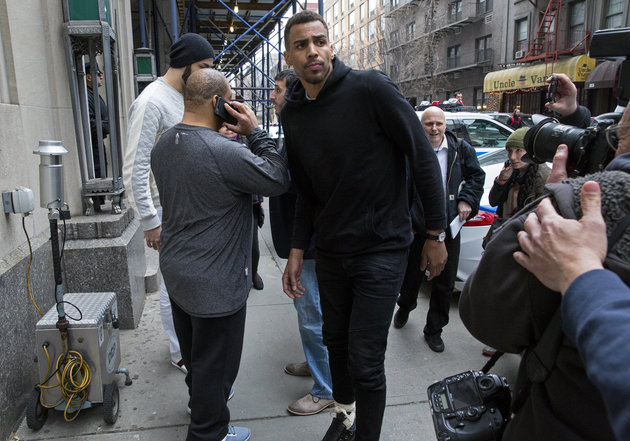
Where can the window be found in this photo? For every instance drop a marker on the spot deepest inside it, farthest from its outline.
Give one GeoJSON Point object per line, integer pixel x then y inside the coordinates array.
{"type": "Point", "coordinates": [329, 15]}
{"type": "Point", "coordinates": [362, 34]}
{"type": "Point", "coordinates": [342, 44]}
{"type": "Point", "coordinates": [614, 14]}
{"type": "Point", "coordinates": [371, 7]}
{"type": "Point", "coordinates": [350, 4]}
{"type": "Point", "coordinates": [576, 22]}
{"type": "Point", "coordinates": [393, 38]}
{"type": "Point", "coordinates": [483, 49]}
{"type": "Point", "coordinates": [394, 3]}
{"type": "Point", "coordinates": [336, 11]}
{"type": "Point", "coordinates": [361, 57]}
{"type": "Point", "coordinates": [485, 133]}
{"type": "Point", "coordinates": [484, 6]}
{"type": "Point", "coordinates": [362, 12]}
{"type": "Point", "coordinates": [372, 53]}
{"type": "Point", "coordinates": [454, 11]}
{"type": "Point", "coordinates": [453, 55]}
{"type": "Point", "coordinates": [351, 20]}
{"type": "Point", "coordinates": [336, 31]}
{"type": "Point", "coordinates": [343, 25]}
{"type": "Point", "coordinates": [521, 35]}
{"type": "Point", "coordinates": [341, 6]}
{"type": "Point", "coordinates": [411, 30]}
{"type": "Point", "coordinates": [372, 30]}
{"type": "Point", "coordinates": [351, 60]}
{"type": "Point", "coordinates": [382, 25]}
{"type": "Point", "coordinates": [351, 42]}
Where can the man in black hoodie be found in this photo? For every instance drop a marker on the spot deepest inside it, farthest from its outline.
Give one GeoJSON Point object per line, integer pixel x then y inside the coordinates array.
{"type": "Point", "coordinates": [349, 137]}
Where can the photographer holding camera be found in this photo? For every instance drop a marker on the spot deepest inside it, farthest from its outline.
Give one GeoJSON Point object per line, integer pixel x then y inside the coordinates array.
{"type": "Point", "coordinates": [514, 311]}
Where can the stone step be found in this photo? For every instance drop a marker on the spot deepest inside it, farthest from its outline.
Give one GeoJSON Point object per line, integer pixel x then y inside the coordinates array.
{"type": "Point", "coordinates": [152, 277]}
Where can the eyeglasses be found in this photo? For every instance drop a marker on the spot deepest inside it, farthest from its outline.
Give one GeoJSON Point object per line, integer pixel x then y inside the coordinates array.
{"type": "Point", "coordinates": [612, 137]}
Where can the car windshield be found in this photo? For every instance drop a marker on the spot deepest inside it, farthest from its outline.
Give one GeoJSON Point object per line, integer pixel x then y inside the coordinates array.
{"type": "Point", "coordinates": [486, 133]}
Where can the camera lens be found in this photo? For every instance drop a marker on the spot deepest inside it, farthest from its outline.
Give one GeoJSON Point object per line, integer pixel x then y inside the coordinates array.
{"type": "Point", "coordinates": [542, 140]}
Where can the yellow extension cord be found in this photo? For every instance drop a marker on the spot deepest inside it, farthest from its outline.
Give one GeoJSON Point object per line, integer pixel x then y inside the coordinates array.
{"type": "Point", "coordinates": [73, 378]}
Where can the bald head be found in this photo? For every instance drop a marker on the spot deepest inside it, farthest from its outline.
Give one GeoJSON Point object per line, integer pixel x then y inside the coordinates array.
{"type": "Point", "coordinates": [202, 85]}
{"type": "Point", "coordinates": [434, 123]}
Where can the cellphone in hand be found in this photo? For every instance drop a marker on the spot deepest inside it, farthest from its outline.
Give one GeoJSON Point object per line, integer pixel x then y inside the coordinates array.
{"type": "Point", "coordinates": [551, 89]}
{"type": "Point", "coordinates": [506, 164]}
{"type": "Point", "coordinates": [219, 110]}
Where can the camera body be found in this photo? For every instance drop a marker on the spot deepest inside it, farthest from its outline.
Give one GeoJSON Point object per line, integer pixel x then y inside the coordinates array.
{"type": "Point", "coordinates": [470, 406]}
{"type": "Point", "coordinates": [589, 151]}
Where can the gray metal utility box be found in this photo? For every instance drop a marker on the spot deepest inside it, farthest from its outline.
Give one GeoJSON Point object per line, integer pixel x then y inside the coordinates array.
{"type": "Point", "coordinates": [93, 333]}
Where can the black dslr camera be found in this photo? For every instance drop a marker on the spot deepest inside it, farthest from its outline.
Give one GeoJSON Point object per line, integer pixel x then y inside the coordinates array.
{"type": "Point", "coordinates": [471, 406]}
{"type": "Point", "coordinates": [588, 150]}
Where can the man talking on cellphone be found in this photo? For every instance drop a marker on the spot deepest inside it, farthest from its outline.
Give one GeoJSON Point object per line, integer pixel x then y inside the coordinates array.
{"type": "Point", "coordinates": [351, 137]}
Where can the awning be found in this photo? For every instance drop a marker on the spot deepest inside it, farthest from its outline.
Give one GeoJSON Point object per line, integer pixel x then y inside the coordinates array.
{"type": "Point", "coordinates": [526, 77]}
{"type": "Point", "coordinates": [604, 75]}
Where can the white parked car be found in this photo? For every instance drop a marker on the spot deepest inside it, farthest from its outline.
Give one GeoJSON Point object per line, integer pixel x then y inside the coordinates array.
{"type": "Point", "coordinates": [483, 132]}
{"type": "Point", "coordinates": [473, 231]}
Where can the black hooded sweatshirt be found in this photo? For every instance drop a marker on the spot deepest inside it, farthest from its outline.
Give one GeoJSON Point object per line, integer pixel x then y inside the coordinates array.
{"type": "Point", "coordinates": [347, 150]}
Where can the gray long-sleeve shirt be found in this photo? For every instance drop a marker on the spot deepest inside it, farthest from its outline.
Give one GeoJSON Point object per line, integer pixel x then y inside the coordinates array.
{"type": "Point", "coordinates": [158, 108]}
{"type": "Point", "coordinates": [205, 183]}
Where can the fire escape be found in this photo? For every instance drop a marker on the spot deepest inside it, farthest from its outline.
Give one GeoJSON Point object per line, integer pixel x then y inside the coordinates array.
{"type": "Point", "coordinates": [547, 45]}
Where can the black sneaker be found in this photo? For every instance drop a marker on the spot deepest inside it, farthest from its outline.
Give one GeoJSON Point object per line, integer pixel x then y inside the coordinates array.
{"type": "Point", "coordinates": [435, 342]}
{"type": "Point", "coordinates": [401, 317]}
{"type": "Point", "coordinates": [338, 432]}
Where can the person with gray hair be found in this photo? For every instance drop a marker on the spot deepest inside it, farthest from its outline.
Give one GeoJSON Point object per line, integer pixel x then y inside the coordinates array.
{"type": "Point", "coordinates": [205, 181]}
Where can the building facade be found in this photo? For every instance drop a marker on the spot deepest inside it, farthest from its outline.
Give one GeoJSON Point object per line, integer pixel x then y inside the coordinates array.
{"type": "Point", "coordinates": [356, 30]}
{"type": "Point", "coordinates": [491, 50]}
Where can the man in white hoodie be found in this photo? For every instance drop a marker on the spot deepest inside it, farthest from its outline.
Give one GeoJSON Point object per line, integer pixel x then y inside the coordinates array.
{"type": "Point", "coordinates": [159, 107]}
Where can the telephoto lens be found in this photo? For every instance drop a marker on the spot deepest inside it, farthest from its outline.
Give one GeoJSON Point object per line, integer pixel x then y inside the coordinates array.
{"type": "Point", "coordinates": [589, 151]}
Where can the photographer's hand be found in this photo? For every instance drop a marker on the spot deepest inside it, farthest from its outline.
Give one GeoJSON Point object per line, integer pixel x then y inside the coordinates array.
{"type": "Point", "coordinates": [559, 169]}
{"type": "Point", "coordinates": [245, 116]}
{"type": "Point", "coordinates": [558, 250]}
{"type": "Point", "coordinates": [566, 96]}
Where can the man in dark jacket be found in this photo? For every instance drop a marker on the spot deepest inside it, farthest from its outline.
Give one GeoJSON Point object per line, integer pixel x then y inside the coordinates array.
{"type": "Point", "coordinates": [506, 306]}
{"type": "Point", "coordinates": [308, 308]}
{"type": "Point", "coordinates": [99, 171]}
{"type": "Point", "coordinates": [349, 135]}
{"type": "Point", "coordinates": [458, 163]}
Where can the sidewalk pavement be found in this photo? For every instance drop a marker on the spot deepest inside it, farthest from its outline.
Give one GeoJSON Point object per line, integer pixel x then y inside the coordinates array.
{"type": "Point", "coordinates": [153, 408]}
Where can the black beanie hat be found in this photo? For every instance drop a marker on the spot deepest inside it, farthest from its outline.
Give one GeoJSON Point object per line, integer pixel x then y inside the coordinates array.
{"type": "Point", "coordinates": [189, 49]}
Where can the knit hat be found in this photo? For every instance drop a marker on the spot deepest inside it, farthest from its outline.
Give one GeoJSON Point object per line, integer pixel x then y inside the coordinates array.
{"type": "Point", "coordinates": [189, 49]}
{"type": "Point", "coordinates": [516, 138]}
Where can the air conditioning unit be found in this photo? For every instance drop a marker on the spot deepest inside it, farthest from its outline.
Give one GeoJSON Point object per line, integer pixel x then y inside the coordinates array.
{"type": "Point", "coordinates": [519, 54]}
{"type": "Point", "coordinates": [488, 19]}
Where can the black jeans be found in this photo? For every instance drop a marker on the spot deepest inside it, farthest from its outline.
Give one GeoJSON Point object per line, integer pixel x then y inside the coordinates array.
{"type": "Point", "coordinates": [358, 295]}
{"type": "Point", "coordinates": [211, 349]}
{"type": "Point", "coordinates": [442, 285]}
